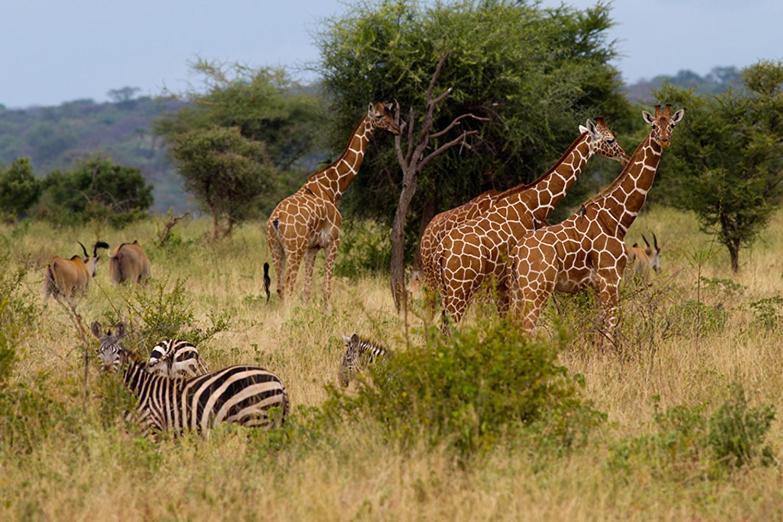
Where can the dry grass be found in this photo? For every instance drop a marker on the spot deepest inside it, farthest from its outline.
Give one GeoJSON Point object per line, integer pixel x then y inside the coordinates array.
{"type": "Point", "coordinates": [100, 472]}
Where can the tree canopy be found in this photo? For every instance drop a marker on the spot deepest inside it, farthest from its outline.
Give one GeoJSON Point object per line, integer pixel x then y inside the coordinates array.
{"type": "Point", "coordinates": [535, 73]}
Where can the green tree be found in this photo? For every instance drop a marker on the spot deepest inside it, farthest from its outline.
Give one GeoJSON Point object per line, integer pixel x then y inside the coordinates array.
{"type": "Point", "coordinates": [266, 106]}
{"type": "Point", "coordinates": [727, 161]}
{"type": "Point", "coordinates": [225, 171]}
{"type": "Point", "coordinates": [97, 189]}
{"type": "Point", "coordinates": [535, 73]}
{"type": "Point", "coordinates": [19, 189]}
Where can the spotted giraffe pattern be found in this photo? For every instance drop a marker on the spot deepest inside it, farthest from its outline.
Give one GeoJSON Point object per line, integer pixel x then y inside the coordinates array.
{"type": "Point", "coordinates": [308, 220]}
{"type": "Point", "coordinates": [587, 249]}
{"type": "Point", "coordinates": [478, 250]}
{"type": "Point", "coordinates": [440, 225]}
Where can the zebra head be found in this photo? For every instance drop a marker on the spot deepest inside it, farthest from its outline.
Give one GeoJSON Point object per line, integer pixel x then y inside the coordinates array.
{"type": "Point", "coordinates": [111, 353]}
{"type": "Point", "coordinates": [161, 358]}
{"type": "Point", "coordinates": [350, 362]}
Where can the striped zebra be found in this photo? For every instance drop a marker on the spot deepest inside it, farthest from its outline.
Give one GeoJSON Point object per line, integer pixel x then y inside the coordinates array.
{"type": "Point", "coordinates": [237, 394]}
{"type": "Point", "coordinates": [176, 359]}
{"type": "Point", "coordinates": [359, 353]}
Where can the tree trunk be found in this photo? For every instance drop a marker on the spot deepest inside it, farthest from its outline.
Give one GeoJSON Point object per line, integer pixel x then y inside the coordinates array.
{"type": "Point", "coordinates": [427, 213]}
{"type": "Point", "coordinates": [734, 249]}
{"type": "Point", "coordinates": [398, 237]}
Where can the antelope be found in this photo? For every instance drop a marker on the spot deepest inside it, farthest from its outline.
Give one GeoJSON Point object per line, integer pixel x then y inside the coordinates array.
{"type": "Point", "coordinates": [70, 278]}
{"type": "Point", "coordinates": [643, 260]}
{"type": "Point", "coordinates": [129, 263]}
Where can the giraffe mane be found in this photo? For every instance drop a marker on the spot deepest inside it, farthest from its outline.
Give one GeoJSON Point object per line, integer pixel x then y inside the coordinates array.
{"type": "Point", "coordinates": [616, 181]}
{"type": "Point", "coordinates": [519, 188]}
{"type": "Point", "coordinates": [311, 177]}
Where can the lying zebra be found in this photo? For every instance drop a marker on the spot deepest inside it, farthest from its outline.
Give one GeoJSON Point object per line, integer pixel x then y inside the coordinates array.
{"type": "Point", "coordinates": [176, 359]}
{"type": "Point", "coordinates": [359, 353]}
{"type": "Point", "coordinates": [237, 394]}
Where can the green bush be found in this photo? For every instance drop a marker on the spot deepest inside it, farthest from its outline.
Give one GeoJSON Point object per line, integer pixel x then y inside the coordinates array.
{"type": "Point", "coordinates": [688, 444]}
{"type": "Point", "coordinates": [96, 189]}
{"type": "Point", "coordinates": [157, 311]}
{"type": "Point", "coordinates": [19, 189]}
{"type": "Point", "coordinates": [27, 416]}
{"type": "Point", "coordinates": [471, 391]}
{"type": "Point", "coordinates": [695, 318]}
{"type": "Point", "coordinates": [365, 248]}
{"type": "Point", "coordinates": [768, 312]}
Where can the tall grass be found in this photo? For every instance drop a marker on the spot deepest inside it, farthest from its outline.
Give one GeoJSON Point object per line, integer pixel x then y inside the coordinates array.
{"type": "Point", "coordinates": [689, 341]}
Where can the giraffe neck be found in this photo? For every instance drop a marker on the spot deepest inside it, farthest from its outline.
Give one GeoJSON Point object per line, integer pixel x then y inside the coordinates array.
{"type": "Point", "coordinates": [545, 193]}
{"type": "Point", "coordinates": [333, 181]}
{"type": "Point", "coordinates": [625, 197]}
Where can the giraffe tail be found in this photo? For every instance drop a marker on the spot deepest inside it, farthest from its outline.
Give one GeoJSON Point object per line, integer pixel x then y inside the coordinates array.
{"type": "Point", "coordinates": [267, 281]}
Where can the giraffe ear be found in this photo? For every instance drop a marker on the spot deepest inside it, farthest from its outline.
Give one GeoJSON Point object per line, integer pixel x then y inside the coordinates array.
{"type": "Point", "coordinates": [647, 117]}
{"type": "Point", "coordinates": [677, 116]}
{"type": "Point", "coordinates": [371, 110]}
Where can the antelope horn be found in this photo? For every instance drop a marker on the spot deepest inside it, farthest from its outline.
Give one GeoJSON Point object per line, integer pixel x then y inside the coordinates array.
{"type": "Point", "coordinates": [655, 241]}
{"type": "Point", "coordinates": [84, 249]}
{"type": "Point", "coordinates": [645, 241]}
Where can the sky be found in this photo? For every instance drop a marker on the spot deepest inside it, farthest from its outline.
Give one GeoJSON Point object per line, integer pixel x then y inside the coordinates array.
{"type": "Point", "coordinates": [58, 50]}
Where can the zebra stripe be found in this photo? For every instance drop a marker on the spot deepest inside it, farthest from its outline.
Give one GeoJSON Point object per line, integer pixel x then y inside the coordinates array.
{"type": "Point", "coordinates": [176, 358]}
{"type": "Point", "coordinates": [359, 353]}
{"type": "Point", "coordinates": [237, 394]}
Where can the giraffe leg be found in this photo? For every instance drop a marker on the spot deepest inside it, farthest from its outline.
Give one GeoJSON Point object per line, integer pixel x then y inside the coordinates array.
{"type": "Point", "coordinates": [608, 297]}
{"type": "Point", "coordinates": [278, 260]}
{"type": "Point", "coordinates": [309, 262]}
{"type": "Point", "coordinates": [292, 270]}
{"type": "Point", "coordinates": [532, 284]}
{"type": "Point", "coordinates": [331, 255]}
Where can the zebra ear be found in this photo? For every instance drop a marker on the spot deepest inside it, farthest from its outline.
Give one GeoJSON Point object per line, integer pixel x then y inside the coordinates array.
{"type": "Point", "coordinates": [355, 338]}
{"type": "Point", "coordinates": [95, 328]}
{"type": "Point", "coordinates": [346, 339]}
{"type": "Point", "coordinates": [120, 329]}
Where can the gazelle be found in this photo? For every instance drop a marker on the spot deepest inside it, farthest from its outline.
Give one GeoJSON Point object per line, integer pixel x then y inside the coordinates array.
{"type": "Point", "coordinates": [70, 278]}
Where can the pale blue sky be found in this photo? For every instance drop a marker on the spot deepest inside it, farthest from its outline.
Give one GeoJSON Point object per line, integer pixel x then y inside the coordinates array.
{"type": "Point", "coordinates": [57, 50]}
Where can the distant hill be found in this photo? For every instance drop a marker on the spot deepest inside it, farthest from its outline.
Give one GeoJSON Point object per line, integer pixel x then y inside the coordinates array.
{"type": "Point", "coordinates": [718, 80]}
{"type": "Point", "coordinates": [56, 137]}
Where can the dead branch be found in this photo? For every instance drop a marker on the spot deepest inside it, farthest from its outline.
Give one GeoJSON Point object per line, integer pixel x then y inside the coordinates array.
{"type": "Point", "coordinates": [164, 234]}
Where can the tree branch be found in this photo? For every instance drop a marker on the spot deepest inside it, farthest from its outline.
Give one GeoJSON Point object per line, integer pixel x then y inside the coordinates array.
{"type": "Point", "coordinates": [457, 121]}
{"type": "Point", "coordinates": [459, 140]}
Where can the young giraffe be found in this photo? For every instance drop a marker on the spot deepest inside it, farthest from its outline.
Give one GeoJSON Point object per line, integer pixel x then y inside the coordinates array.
{"type": "Point", "coordinates": [477, 250]}
{"type": "Point", "coordinates": [308, 220]}
{"type": "Point", "coordinates": [587, 248]}
{"type": "Point", "coordinates": [440, 225]}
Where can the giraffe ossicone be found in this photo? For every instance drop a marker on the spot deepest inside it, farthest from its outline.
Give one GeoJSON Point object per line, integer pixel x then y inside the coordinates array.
{"type": "Point", "coordinates": [477, 250]}
{"type": "Point", "coordinates": [587, 249]}
{"type": "Point", "coordinates": [308, 220]}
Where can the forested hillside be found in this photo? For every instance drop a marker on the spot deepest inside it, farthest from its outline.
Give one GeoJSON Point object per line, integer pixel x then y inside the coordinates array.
{"type": "Point", "coordinates": [58, 137]}
{"type": "Point", "coordinates": [717, 81]}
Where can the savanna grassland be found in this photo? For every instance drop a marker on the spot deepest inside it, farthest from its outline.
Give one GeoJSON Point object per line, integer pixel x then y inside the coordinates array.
{"type": "Point", "coordinates": [677, 441]}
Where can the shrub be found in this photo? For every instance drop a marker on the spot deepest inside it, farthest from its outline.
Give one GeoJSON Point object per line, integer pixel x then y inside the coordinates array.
{"type": "Point", "coordinates": [768, 312]}
{"type": "Point", "coordinates": [156, 311]}
{"type": "Point", "coordinates": [18, 314]}
{"type": "Point", "coordinates": [692, 317]}
{"type": "Point", "coordinates": [27, 416]}
{"type": "Point", "coordinates": [96, 189]}
{"type": "Point", "coordinates": [472, 390]}
{"type": "Point", "coordinates": [687, 444]}
{"type": "Point", "coordinates": [19, 189]}
{"type": "Point", "coordinates": [365, 248]}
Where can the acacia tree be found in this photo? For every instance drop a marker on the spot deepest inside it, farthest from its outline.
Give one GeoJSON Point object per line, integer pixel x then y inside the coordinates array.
{"type": "Point", "coordinates": [413, 159]}
{"type": "Point", "coordinates": [534, 72]}
{"type": "Point", "coordinates": [225, 171]}
{"type": "Point", "coordinates": [19, 189]}
{"type": "Point", "coordinates": [726, 163]}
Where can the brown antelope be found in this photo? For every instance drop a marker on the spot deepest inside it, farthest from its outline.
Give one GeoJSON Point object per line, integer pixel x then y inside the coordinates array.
{"type": "Point", "coordinates": [69, 278]}
{"type": "Point", "coordinates": [129, 263]}
{"type": "Point", "coordinates": [644, 260]}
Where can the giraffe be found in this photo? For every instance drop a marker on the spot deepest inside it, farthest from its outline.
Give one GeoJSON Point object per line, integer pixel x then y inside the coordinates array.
{"type": "Point", "coordinates": [308, 220]}
{"type": "Point", "coordinates": [440, 225]}
{"type": "Point", "coordinates": [478, 249]}
{"type": "Point", "coordinates": [587, 249]}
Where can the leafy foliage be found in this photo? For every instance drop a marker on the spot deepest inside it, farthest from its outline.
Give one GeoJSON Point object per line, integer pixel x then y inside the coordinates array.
{"type": "Point", "coordinates": [19, 189]}
{"type": "Point", "coordinates": [688, 444]}
{"type": "Point", "coordinates": [364, 248]}
{"type": "Point", "coordinates": [225, 171]}
{"type": "Point", "coordinates": [97, 189]}
{"type": "Point", "coordinates": [728, 158]}
{"type": "Point", "coordinates": [471, 390]}
{"type": "Point", "coordinates": [535, 87]}
{"type": "Point", "coordinates": [18, 314]}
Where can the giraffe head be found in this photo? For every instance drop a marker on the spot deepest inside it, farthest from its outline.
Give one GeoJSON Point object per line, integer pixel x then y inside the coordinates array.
{"type": "Point", "coordinates": [381, 116]}
{"type": "Point", "coordinates": [663, 123]}
{"type": "Point", "coordinates": [603, 140]}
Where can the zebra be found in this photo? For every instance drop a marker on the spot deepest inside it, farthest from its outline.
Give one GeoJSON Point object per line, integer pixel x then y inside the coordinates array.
{"type": "Point", "coordinates": [176, 358]}
{"type": "Point", "coordinates": [237, 394]}
{"type": "Point", "coordinates": [359, 353]}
